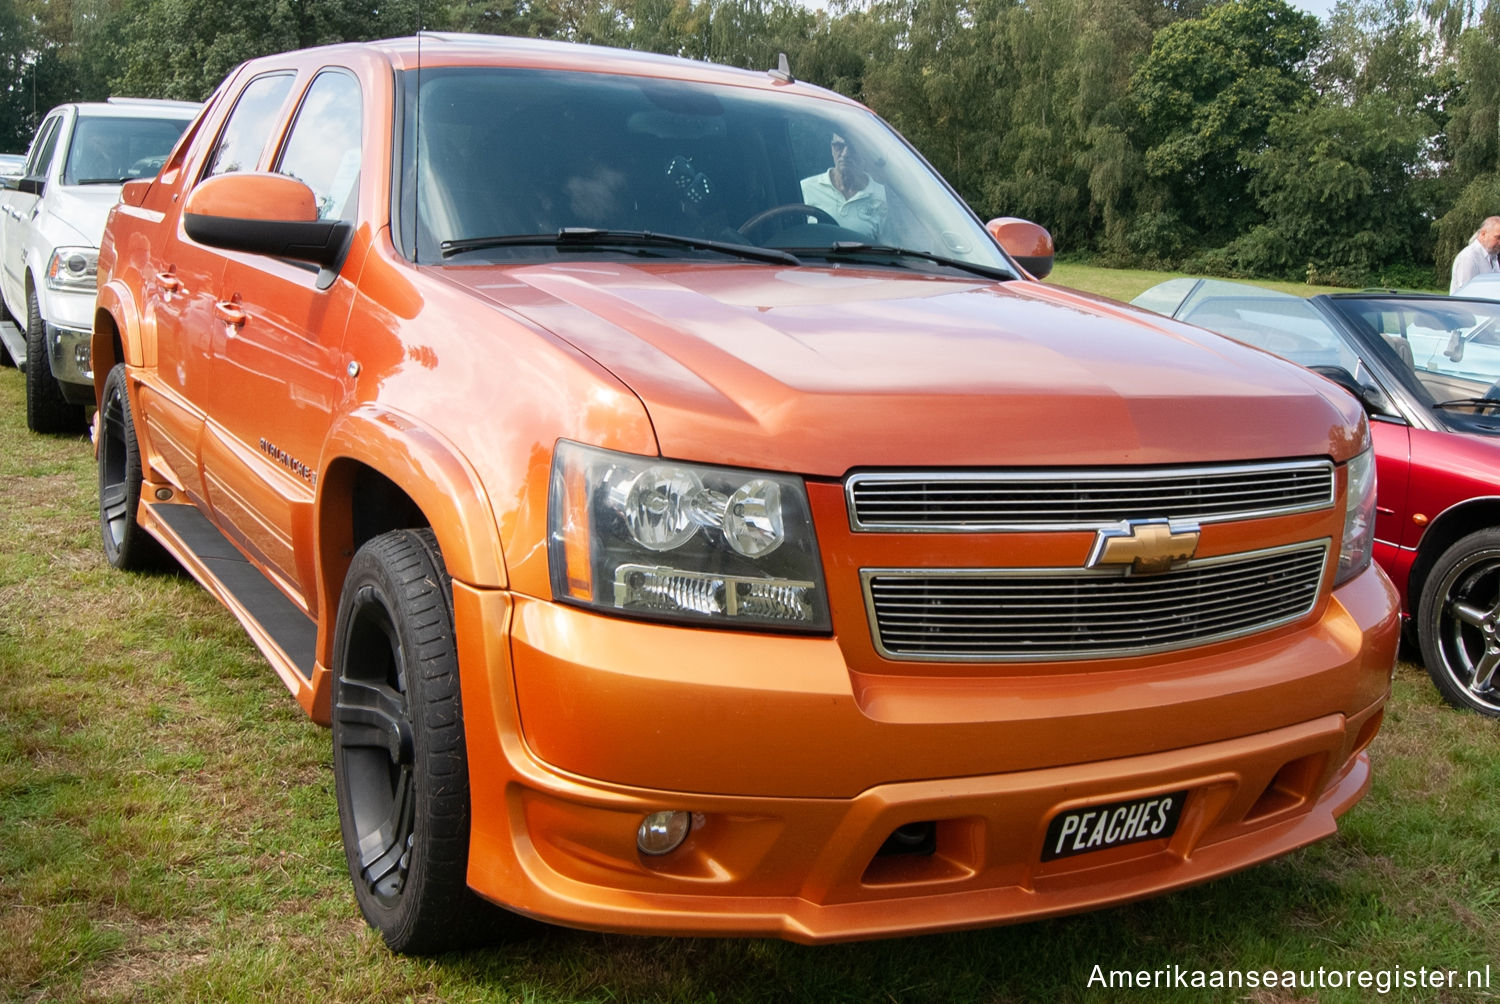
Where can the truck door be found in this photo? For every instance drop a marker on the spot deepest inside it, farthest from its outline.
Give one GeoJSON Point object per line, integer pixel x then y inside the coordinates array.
{"type": "Point", "coordinates": [182, 290]}
{"type": "Point", "coordinates": [277, 370]}
{"type": "Point", "coordinates": [20, 207]}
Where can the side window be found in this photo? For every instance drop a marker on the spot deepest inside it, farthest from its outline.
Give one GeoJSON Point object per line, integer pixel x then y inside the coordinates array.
{"type": "Point", "coordinates": [323, 150]}
{"type": "Point", "coordinates": [41, 152]}
{"type": "Point", "coordinates": [249, 126]}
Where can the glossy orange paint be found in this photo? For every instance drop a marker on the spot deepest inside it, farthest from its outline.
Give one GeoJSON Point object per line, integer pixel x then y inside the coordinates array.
{"type": "Point", "coordinates": [279, 409]}
{"type": "Point", "coordinates": [253, 195]}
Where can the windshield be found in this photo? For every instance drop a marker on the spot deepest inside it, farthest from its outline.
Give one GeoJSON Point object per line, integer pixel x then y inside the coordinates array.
{"type": "Point", "coordinates": [507, 153]}
{"type": "Point", "coordinates": [1445, 351]}
{"type": "Point", "coordinates": [113, 149]}
{"type": "Point", "coordinates": [1286, 325]}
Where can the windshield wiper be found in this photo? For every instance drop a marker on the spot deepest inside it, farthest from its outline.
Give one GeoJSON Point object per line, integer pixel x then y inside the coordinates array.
{"type": "Point", "coordinates": [841, 248]}
{"type": "Point", "coordinates": [589, 237]}
{"type": "Point", "coordinates": [1470, 402]}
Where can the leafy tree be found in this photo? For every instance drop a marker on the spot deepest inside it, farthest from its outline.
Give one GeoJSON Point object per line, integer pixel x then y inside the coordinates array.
{"type": "Point", "coordinates": [183, 48]}
{"type": "Point", "coordinates": [1473, 138]}
{"type": "Point", "coordinates": [1335, 185]}
{"type": "Point", "coordinates": [1206, 96]}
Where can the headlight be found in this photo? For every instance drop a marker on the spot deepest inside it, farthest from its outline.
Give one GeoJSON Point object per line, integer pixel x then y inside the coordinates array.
{"type": "Point", "coordinates": [657, 538]}
{"type": "Point", "coordinates": [74, 270]}
{"type": "Point", "coordinates": [1359, 517]}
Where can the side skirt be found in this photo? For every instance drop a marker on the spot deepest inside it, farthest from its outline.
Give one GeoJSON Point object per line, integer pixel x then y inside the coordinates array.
{"type": "Point", "coordinates": [285, 635]}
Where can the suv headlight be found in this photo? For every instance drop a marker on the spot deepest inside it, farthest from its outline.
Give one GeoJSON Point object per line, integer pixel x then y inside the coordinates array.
{"type": "Point", "coordinates": [659, 538]}
{"type": "Point", "coordinates": [73, 270]}
{"type": "Point", "coordinates": [1359, 517]}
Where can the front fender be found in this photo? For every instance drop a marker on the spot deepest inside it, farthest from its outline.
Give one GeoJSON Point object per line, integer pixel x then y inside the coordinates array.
{"type": "Point", "coordinates": [118, 336]}
{"type": "Point", "coordinates": [432, 473]}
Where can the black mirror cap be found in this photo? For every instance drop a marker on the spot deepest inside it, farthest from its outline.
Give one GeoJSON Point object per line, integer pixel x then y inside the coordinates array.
{"type": "Point", "coordinates": [1039, 266]}
{"type": "Point", "coordinates": [323, 242]}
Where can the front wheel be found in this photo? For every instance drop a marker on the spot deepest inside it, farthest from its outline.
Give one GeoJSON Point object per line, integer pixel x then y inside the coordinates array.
{"type": "Point", "coordinates": [399, 761]}
{"type": "Point", "coordinates": [46, 408]}
{"type": "Point", "coordinates": [127, 545]}
{"type": "Point", "coordinates": [1458, 623]}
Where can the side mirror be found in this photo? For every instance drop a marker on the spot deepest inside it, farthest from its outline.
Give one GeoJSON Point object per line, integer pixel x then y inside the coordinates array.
{"type": "Point", "coordinates": [133, 192]}
{"type": "Point", "coordinates": [1029, 244]}
{"type": "Point", "coordinates": [1369, 398]}
{"type": "Point", "coordinates": [270, 214]}
{"type": "Point", "coordinates": [31, 186]}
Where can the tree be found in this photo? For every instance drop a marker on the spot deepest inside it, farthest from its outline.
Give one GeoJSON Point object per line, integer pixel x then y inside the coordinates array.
{"type": "Point", "coordinates": [1206, 96]}
{"type": "Point", "coordinates": [183, 48]}
{"type": "Point", "coordinates": [1473, 138]}
{"type": "Point", "coordinates": [1336, 186]}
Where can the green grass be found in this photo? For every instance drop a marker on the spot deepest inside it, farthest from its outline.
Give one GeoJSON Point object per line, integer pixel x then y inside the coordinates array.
{"type": "Point", "coordinates": [168, 832]}
{"type": "Point", "coordinates": [1127, 284]}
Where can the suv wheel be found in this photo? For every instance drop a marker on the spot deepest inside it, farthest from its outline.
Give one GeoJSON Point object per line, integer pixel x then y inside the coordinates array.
{"type": "Point", "coordinates": [127, 545]}
{"type": "Point", "coordinates": [46, 410]}
{"type": "Point", "coordinates": [1458, 622]}
{"type": "Point", "coordinates": [399, 761]}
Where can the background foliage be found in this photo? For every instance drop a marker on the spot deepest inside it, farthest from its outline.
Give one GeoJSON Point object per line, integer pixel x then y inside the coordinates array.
{"type": "Point", "coordinates": [1234, 138]}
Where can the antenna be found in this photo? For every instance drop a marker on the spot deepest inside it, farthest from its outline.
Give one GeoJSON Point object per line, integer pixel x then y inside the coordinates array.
{"type": "Point", "coordinates": [783, 72]}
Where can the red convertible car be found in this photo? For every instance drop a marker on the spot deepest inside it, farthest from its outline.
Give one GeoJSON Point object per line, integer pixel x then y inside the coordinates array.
{"type": "Point", "coordinates": [1427, 369]}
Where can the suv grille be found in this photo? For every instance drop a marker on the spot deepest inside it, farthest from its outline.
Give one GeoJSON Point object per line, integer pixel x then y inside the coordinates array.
{"type": "Point", "coordinates": [1056, 614]}
{"type": "Point", "coordinates": [1082, 500]}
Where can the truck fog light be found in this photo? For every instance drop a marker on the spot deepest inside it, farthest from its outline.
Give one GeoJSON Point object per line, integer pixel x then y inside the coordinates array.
{"type": "Point", "coordinates": [663, 832]}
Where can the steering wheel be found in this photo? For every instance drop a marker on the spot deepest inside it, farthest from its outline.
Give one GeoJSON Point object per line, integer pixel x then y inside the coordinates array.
{"type": "Point", "coordinates": [789, 209]}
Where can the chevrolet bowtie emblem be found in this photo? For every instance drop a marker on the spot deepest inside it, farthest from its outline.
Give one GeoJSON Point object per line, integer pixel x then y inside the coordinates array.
{"type": "Point", "coordinates": [1146, 545]}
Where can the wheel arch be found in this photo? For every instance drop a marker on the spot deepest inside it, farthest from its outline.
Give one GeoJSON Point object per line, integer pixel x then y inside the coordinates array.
{"type": "Point", "coordinates": [382, 472]}
{"type": "Point", "coordinates": [117, 335]}
{"type": "Point", "coordinates": [1453, 524]}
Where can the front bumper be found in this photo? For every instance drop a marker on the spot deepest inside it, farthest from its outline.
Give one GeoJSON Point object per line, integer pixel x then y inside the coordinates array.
{"type": "Point", "coordinates": [789, 841]}
{"type": "Point", "coordinates": [70, 355]}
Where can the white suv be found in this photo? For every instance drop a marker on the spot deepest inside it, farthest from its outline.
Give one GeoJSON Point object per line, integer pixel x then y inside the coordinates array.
{"type": "Point", "coordinates": [51, 218]}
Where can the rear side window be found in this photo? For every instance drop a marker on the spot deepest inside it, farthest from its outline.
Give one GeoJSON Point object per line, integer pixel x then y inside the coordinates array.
{"type": "Point", "coordinates": [249, 127]}
{"type": "Point", "coordinates": [323, 150]}
{"type": "Point", "coordinates": [41, 152]}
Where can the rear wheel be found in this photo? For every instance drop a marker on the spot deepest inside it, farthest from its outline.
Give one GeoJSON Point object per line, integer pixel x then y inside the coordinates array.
{"type": "Point", "coordinates": [46, 409]}
{"type": "Point", "coordinates": [399, 759]}
{"type": "Point", "coordinates": [1458, 623]}
{"type": "Point", "coordinates": [127, 545]}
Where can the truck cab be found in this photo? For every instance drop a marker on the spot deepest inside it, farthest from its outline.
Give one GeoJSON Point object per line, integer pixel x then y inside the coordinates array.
{"type": "Point", "coordinates": [51, 217]}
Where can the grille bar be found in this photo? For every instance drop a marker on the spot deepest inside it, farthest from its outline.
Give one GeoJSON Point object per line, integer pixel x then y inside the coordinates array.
{"type": "Point", "coordinates": [959, 502]}
{"type": "Point", "coordinates": [1056, 614]}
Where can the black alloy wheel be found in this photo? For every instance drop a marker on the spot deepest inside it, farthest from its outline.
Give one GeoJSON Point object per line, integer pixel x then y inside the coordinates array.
{"type": "Point", "coordinates": [127, 545]}
{"type": "Point", "coordinates": [1458, 623]}
{"type": "Point", "coordinates": [399, 759]}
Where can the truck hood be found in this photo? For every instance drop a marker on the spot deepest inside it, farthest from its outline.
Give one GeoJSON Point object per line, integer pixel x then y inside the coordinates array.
{"type": "Point", "coordinates": [820, 370]}
{"type": "Point", "coordinates": [81, 209]}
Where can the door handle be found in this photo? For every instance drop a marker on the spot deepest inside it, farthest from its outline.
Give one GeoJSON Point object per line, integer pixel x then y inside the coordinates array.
{"type": "Point", "coordinates": [230, 313]}
{"type": "Point", "coordinates": [169, 282]}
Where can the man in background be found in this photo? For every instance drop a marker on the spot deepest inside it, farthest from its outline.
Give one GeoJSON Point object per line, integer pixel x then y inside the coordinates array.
{"type": "Point", "coordinates": [1478, 256]}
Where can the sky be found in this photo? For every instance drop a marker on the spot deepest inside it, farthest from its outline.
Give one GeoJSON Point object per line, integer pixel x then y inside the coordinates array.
{"type": "Point", "coordinates": [1322, 8]}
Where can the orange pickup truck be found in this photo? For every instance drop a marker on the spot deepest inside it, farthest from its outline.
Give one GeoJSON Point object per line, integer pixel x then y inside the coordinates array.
{"type": "Point", "coordinates": [690, 519]}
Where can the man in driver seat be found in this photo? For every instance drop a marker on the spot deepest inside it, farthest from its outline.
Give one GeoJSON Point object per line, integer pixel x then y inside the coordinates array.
{"type": "Point", "coordinates": [846, 192]}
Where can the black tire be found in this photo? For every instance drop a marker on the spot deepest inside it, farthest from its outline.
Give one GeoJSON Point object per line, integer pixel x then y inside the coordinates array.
{"type": "Point", "coordinates": [1458, 623]}
{"type": "Point", "coordinates": [5, 356]}
{"type": "Point", "coordinates": [399, 760]}
{"type": "Point", "coordinates": [46, 409]}
{"type": "Point", "coordinates": [127, 545]}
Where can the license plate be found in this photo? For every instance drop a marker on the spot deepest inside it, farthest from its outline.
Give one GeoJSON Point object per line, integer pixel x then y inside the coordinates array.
{"type": "Point", "coordinates": [1097, 827]}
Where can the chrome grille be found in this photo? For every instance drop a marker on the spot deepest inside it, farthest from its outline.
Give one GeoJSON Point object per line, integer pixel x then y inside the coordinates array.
{"type": "Point", "coordinates": [966, 502]}
{"type": "Point", "coordinates": [1055, 614]}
